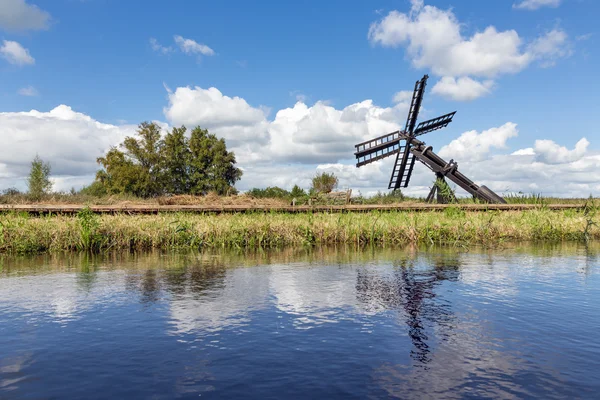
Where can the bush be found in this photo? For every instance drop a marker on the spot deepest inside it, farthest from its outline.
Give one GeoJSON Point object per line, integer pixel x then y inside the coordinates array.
{"type": "Point", "coordinates": [95, 189]}
{"type": "Point", "coordinates": [11, 192]}
{"type": "Point", "coordinates": [324, 182]}
{"type": "Point", "coordinates": [272, 192]}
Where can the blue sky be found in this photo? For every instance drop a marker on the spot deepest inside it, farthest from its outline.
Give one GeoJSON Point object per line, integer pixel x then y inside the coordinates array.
{"type": "Point", "coordinates": [102, 59]}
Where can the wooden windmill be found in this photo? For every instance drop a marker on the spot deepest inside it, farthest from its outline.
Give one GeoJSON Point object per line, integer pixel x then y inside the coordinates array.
{"type": "Point", "coordinates": [408, 149]}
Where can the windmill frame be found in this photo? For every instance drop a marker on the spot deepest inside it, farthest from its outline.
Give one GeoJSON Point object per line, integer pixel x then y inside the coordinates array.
{"type": "Point", "coordinates": [408, 149]}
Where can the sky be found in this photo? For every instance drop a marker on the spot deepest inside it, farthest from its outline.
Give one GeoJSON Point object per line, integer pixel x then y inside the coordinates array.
{"type": "Point", "coordinates": [293, 86]}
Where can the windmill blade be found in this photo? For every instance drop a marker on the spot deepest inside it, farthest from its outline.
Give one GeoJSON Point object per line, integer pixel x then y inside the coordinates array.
{"type": "Point", "coordinates": [403, 167]}
{"type": "Point", "coordinates": [415, 105]}
{"type": "Point", "coordinates": [378, 148]}
{"type": "Point", "coordinates": [434, 124]}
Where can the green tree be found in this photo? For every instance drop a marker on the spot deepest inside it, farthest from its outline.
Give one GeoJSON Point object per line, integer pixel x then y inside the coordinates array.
{"type": "Point", "coordinates": [120, 175]}
{"type": "Point", "coordinates": [39, 178]}
{"type": "Point", "coordinates": [211, 166]}
{"type": "Point", "coordinates": [324, 182]}
{"type": "Point", "coordinates": [297, 192]}
{"type": "Point", "coordinates": [137, 169]}
{"type": "Point", "coordinates": [176, 157]}
{"type": "Point", "coordinates": [149, 165]}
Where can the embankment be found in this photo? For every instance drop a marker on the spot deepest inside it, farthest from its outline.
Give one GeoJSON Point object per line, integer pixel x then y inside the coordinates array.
{"type": "Point", "coordinates": [86, 230]}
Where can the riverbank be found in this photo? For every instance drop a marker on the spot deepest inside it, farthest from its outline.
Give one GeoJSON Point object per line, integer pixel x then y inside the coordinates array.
{"type": "Point", "coordinates": [24, 234]}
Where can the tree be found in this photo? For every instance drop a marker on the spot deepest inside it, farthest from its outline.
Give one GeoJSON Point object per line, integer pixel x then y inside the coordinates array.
{"type": "Point", "coordinates": [176, 157]}
{"type": "Point", "coordinates": [211, 165]}
{"type": "Point", "coordinates": [324, 182]}
{"type": "Point", "coordinates": [150, 166]}
{"type": "Point", "coordinates": [39, 178]}
{"type": "Point", "coordinates": [137, 169]}
{"type": "Point", "coordinates": [297, 192]}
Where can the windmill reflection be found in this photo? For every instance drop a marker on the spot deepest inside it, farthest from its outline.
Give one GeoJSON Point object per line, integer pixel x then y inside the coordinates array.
{"type": "Point", "coordinates": [411, 289]}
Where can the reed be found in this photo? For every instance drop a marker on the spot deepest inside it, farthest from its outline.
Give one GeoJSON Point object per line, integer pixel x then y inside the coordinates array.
{"type": "Point", "coordinates": [21, 233]}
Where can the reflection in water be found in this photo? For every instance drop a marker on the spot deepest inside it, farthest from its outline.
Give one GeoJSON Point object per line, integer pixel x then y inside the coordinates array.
{"type": "Point", "coordinates": [412, 289]}
{"type": "Point", "coordinates": [335, 323]}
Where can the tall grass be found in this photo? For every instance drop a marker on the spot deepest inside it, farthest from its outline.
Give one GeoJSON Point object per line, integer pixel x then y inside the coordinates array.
{"type": "Point", "coordinates": [21, 233]}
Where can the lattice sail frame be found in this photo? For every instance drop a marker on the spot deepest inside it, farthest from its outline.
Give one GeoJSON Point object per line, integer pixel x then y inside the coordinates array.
{"type": "Point", "coordinates": [399, 143]}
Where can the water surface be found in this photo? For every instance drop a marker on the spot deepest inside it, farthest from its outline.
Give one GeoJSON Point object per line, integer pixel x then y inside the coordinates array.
{"type": "Point", "coordinates": [322, 323]}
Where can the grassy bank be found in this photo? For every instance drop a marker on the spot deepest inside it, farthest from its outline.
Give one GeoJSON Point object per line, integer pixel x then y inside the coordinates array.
{"type": "Point", "coordinates": [20, 233]}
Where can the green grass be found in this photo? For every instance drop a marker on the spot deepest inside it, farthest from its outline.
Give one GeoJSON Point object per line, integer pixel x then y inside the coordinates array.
{"type": "Point", "coordinates": [24, 234]}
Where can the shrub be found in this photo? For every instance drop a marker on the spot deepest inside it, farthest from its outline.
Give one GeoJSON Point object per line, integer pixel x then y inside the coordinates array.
{"type": "Point", "coordinates": [324, 182]}
{"type": "Point", "coordinates": [271, 192]}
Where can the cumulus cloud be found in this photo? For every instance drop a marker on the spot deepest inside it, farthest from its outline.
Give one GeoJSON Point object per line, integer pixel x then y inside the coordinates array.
{"type": "Point", "coordinates": [17, 15]}
{"type": "Point", "coordinates": [472, 145]}
{"type": "Point", "coordinates": [434, 40]}
{"type": "Point", "coordinates": [462, 89]}
{"type": "Point", "coordinates": [551, 153]}
{"type": "Point", "coordinates": [536, 4]}
{"type": "Point", "coordinates": [231, 117]}
{"type": "Point", "coordinates": [15, 54]}
{"type": "Point", "coordinates": [289, 147]}
{"type": "Point", "coordinates": [190, 46]}
{"type": "Point", "coordinates": [302, 133]}
{"type": "Point", "coordinates": [297, 141]}
{"type": "Point", "coordinates": [28, 91]}
{"type": "Point", "coordinates": [69, 140]}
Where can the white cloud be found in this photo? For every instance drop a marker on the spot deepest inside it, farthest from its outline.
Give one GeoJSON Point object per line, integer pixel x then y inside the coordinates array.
{"type": "Point", "coordinates": [403, 96]}
{"type": "Point", "coordinates": [28, 91]}
{"type": "Point", "coordinates": [17, 15]}
{"type": "Point", "coordinates": [549, 152]}
{"type": "Point", "coordinates": [70, 141]}
{"type": "Point", "coordinates": [536, 4]}
{"type": "Point", "coordinates": [190, 46]}
{"type": "Point", "coordinates": [472, 145]}
{"type": "Point", "coordinates": [232, 117]}
{"type": "Point", "coordinates": [434, 40]}
{"type": "Point", "coordinates": [551, 47]}
{"type": "Point", "coordinates": [529, 151]}
{"type": "Point", "coordinates": [16, 54]}
{"type": "Point", "coordinates": [302, 133]}
{"type": "Point", "coordinates": [291, 146]}
{"type": "Point", "coordinates": [157, 47]}
{"type": "Point", "coordinates": [462, 89]}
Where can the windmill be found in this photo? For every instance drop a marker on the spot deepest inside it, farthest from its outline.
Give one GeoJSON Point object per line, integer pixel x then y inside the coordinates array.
{"type": "Point", "coordinates": [407, 148]}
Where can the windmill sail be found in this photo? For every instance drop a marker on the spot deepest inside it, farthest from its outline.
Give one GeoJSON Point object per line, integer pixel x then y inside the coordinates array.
{"type": "Point", "coordinates": [415, 105]}
{"type": "Point", "coordinates": [403, 167]}
{"type": "Point", "coordinates": [433, 124]}
{"type": "Point", "coordinates": [405, 161]}
{"type": "Point", "coordinates": [378, 148]}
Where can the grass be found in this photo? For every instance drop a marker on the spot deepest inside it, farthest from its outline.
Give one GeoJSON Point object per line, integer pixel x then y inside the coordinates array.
{"type": "Point", "coordinates": [25, 234]}
{"type": "Point", "coordinates": [391, 197]}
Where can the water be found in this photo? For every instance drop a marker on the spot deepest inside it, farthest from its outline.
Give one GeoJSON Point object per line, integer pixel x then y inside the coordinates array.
{"type": "Point", "coordinates": [327, 323]}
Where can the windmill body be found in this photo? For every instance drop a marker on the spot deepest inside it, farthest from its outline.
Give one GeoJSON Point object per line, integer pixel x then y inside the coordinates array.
{"type": "Point", "coordinates": [407, 149]}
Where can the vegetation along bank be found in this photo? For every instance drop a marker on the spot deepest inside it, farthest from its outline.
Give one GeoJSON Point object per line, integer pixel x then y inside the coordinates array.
{"type": "Point", "coordinates": [21, 233]}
